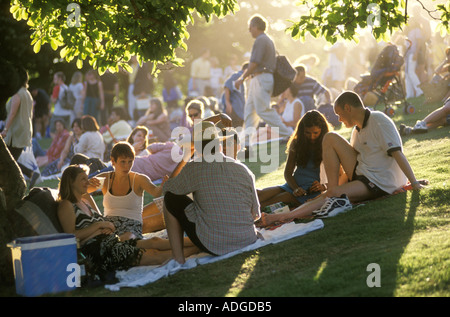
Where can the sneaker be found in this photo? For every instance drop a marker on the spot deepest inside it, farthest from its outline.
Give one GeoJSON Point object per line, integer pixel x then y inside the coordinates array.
{"type": "Point", "coordinates": [405, 130]}
{"type": "Point", "coordinates": [420, 127]}
{"type": "Point", "coordinates": [333, 206]}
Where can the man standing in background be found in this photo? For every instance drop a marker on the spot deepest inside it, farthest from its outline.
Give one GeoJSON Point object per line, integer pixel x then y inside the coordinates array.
{"type": "Point", "coordinates": [261, 68]}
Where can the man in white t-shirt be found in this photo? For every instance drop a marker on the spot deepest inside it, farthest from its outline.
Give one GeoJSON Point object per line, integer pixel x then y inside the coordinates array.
{"type": "Point", "coordinates": [373, 162]}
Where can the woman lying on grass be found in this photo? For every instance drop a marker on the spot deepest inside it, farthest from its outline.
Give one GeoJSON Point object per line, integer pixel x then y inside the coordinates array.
{"type": "Point", "coordinates": [79, 215]}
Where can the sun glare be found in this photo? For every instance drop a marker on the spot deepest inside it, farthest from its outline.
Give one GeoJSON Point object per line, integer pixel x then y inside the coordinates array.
{"type": "Point", "coordinates": [244, 275]}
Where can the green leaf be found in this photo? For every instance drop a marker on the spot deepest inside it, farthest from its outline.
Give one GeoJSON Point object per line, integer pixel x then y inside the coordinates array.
{"type": "Point", "coordinates": [53, 44]}
{"type": "Point", "coordinates": [79, 63]}
{"type": "Point", "coordinates": [128, 68]}
{"type": "Point", "coordinates": [37, 46]}
{"type": "Point", "coordinates": [64, 51]}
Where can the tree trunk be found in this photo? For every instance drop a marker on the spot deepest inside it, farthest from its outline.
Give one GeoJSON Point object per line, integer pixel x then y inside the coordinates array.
{"type": "Point", "coordinates": [12, 190]}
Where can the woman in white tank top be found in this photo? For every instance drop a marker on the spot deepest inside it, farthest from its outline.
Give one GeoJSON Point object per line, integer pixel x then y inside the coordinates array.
{"type": "Point", "coordinates": [123, 192]}
{"type": "Point", "coordinates": [294, 109]}
{"type": "Point", "coordinates": [125, 211]}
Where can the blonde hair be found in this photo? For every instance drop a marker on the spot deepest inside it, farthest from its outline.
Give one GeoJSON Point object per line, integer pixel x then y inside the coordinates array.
{"type": "Point", "coordinates": [77, 77]}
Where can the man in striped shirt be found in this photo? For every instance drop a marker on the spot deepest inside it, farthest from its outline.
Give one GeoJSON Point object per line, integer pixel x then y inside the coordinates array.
{"type": "Point", "coordinates": [310, 90]}
{"type": "Point", "coordinates": [220, 218]}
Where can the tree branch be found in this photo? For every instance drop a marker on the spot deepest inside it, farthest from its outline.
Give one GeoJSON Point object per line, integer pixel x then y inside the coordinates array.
{"type": "Point", "coordinates": [428, 11]}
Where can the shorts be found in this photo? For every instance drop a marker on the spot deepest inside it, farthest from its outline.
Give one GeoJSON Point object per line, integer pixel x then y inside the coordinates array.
{"type": "Point", "coordinates": [176, 204]}
{"type": "Point", "coordinates": [374, 189]}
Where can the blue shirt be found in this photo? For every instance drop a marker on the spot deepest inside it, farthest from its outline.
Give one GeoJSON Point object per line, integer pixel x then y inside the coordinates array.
{"type": "Point", "coordinates": [237, 97]}
{"type": "Point", "coordinates": [263, 54]}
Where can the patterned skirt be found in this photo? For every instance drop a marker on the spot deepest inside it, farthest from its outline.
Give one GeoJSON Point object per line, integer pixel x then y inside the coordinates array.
{"type": "Point", "coordinates": [106, 253]}
{"type": "Point", "coordinates": [123, 224]}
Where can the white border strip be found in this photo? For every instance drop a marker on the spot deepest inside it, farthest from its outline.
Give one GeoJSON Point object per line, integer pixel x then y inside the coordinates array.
{"type": "Point", "coordinates": [43, 244]}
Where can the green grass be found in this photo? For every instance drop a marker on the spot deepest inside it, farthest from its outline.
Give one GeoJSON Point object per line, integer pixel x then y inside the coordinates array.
{"type": "Point", "coordinates": [407, 235]}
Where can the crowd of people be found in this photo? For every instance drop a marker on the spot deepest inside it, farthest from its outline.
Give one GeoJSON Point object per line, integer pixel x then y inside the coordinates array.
{"type": "Point", "coordinates": [123, 151]}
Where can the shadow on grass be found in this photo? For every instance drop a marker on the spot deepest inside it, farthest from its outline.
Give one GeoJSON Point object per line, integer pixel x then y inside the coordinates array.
{"type": "Point", "coordinates": [334, 261]}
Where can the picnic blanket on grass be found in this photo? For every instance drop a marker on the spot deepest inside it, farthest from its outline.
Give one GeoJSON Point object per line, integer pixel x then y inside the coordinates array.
{"type": "Point", "coordinates": [142, 275]}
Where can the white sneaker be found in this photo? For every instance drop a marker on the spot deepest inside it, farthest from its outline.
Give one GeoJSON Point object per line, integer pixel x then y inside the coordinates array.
{"type": "Point", "coordinates": [333, 206]}
{"type": "Point", "coordinates": [420, 126]}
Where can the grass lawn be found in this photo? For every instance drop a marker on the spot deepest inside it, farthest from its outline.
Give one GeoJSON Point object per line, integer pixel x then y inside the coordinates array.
{"type": "Point", "coordinates": [406, 235]}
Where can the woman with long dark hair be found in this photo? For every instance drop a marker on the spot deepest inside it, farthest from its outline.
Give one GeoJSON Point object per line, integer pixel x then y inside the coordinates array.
{"type": "Point", "coordinates": [303, 166]}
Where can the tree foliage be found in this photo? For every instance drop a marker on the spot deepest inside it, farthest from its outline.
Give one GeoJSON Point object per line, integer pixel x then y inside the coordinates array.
{"type": "Point", "coordinates": [107, 33]}
{"type": "Point", "coordinates": [335, 20]}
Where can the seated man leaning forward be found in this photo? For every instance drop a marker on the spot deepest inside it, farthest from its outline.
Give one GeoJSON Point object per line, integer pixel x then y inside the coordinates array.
{"type": "Point", "coordinates": [220, 218]}
{"type": "Point", "coordinates": [373, 162]}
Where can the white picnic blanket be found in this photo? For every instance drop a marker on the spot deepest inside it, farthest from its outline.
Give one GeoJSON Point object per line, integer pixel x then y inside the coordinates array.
{"type": "Point", "coordinates": [142, 275]}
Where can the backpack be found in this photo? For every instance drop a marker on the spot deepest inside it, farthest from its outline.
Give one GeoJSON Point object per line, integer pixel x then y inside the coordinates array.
{"type": "Point", "coordinates": [68, 100]}
{"type": "Point", "coordinates": [283, 76]}
{"type": "Point", "coordinates": [36, 214]}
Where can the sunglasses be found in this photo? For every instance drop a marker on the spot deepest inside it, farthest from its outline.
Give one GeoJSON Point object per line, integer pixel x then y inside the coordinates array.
{"type": "Point", "coordinates": [194, 115]}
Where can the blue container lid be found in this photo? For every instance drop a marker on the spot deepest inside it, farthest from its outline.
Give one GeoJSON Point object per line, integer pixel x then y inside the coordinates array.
{"type": "Point", "coordinates": [44, 241]}
{"type": "Point", "coordinates": [47, 237]}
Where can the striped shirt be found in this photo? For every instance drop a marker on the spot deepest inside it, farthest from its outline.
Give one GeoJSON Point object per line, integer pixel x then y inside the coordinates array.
{"type": "Point", "coordinates": [310, 87]}
{"type": "Point", "coordinates": [225, 202]}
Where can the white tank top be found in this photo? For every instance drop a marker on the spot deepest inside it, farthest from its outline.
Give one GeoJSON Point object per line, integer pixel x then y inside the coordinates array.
{"type": "Point", "coordinates": [288, 113]}
{"type": "Point", "coordinates": [129, 206]}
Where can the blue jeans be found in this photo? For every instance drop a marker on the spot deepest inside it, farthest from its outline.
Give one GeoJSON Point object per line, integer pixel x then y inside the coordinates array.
{"type": "Point", "coordinates": [37, 150]}
{"type": "Point", "coordinates": [91, 106]}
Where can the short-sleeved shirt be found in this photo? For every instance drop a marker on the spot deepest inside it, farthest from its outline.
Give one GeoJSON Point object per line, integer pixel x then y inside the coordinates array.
{"type": "Point", "coordinates": [375, 143]}
{"type": "Point", "coordinates": [237, 97]}
{"type": "Point", "coordinates": [201, 68]}
{"type": "Point", "coordinates": [263, 54]}
{"type": "Point", "coordinates": [225, 202]}
{"type": "Point", "coordinates": [91, 144]}
{"type": "Point", "coordinates": [310, 87]}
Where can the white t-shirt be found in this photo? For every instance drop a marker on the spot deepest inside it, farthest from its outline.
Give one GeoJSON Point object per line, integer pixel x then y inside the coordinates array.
{"type": "Point", "coordinates": [216, 77]}
{"type": "Point", "coordinates": [374, 143]}
{"type": "Point", "coordinates": [91, 144]}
